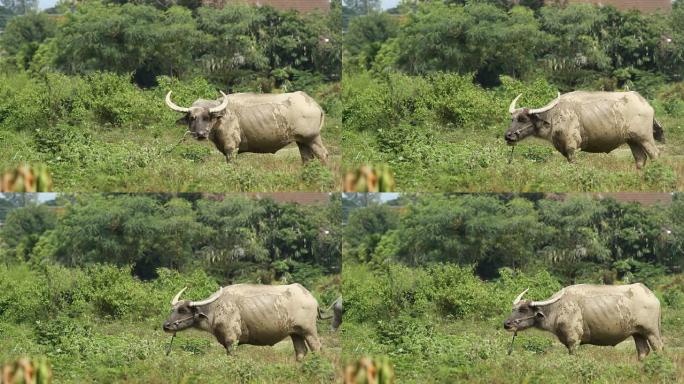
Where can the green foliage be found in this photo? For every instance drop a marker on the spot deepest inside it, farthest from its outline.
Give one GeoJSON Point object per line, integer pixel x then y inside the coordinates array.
{"type": "Point", "coordinates": [366, 227]}
{"type": "Point", "coordinates": [366, 104]}
{"type": "Point", "coordinates": [23, 35]}
{"type": "Point", "coordinates": [660, 176]}
{"type": "Point", "coordinates": [315, 173]}
{"type": "Point", "coordinates": [366, 36]}
{"type": "Point", "coordinates": [236, 238]}
{"type": "Point", "coordinates": [660, 366]}
{"type": "Point", "coordinates": [575, 238]}
{"type": "Point", "coordinates": [578, 45]}
{"type": "Point", "coordinates": [114, 100]}
{"type": "Point", "coordinates": [136, 37]}
{"type": "Point", "coordinates": [381, 103]}
{"type": "Point", "coordinates": [22, 294]}
{"type": "Point", "coordinates": [23, 228]}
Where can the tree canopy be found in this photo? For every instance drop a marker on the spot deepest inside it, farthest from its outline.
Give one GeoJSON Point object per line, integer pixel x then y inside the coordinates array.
{"type": "Point", "coordinates": [577, 237]}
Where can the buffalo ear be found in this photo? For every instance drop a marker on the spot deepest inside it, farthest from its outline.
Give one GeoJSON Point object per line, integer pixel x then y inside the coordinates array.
{"type": "Point", "coordinates": [540, 315]}
{"type": "Point", "coordinates": [183, 120]}
{"type": "Point", "coordinates": [201, 314]}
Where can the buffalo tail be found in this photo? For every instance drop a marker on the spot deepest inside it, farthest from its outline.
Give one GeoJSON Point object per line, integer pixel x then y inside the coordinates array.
{"type": "Point", "coordinates": [658, 132]}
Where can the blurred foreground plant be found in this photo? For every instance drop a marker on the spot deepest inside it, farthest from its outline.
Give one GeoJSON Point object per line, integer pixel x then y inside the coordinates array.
{"type": "Point", "coordinates": [27, 371]}
{"type": "Point", "coordinates": [369, 178]}
{"type": "Point", "coordinates": [370, 371]}
{"type": "Point", "coordinates": [27, 178]}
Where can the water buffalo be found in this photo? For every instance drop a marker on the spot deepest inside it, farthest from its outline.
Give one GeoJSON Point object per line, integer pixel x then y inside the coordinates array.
{"type": "Point", "coordinates": [590, 121]}
{"type": "Point", "coordinates": [338, 311]}
{"type": "Point", "coordinates": [594, 314]}
{"type": "Point", "coordinates": [261, 123]}
{"type": "Point", "coordinates": [252, 314]}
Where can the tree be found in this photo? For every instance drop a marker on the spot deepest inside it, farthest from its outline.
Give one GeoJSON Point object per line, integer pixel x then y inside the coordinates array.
{"type": "Point", "coordinates": [365, 229]}
{"type": "Point", "coordinates": [362, 7]}
{"type": "Point", "coordinates": [24, 227]}
{"type": "Point", "coordinates": [478, 37]}
{"type": "Point", "coordinates": [367, 34]}
{"type": "Point", "coordinates": [5, 15]}
{"type": "Point", "coordinates": [23, 36]}
{"type": "Point", "coordinates": [128, 230]}
{"type": "Point", "coordinates": [20, 7]}
{"type": "Point", "coordinates": [130, 38]}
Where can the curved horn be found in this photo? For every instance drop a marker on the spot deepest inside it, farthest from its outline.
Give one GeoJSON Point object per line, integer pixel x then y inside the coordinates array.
{"type": "Point", "coordinates": [511, 108]}
{"type": "Point", "coordinates": [548, 106]}
{"type": "Point", "coordinates": [174, 301]}
{"type": "Point", "coordinates": [209, 300]}
{"type": "Point", "coordinates": [221, 107]}
{"type": "Point", "coordinates": [517, 299]}
{"type": "Point", "coordinates": [549, 301]}
{"type": "Point", "coordinates": [173, 106]}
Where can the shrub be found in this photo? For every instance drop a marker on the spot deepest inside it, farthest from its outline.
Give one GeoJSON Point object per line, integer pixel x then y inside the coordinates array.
{"type": "Point", "coordinates": [22, 294]}
{"type": "Point", "coordinates": [116, 294]}
{"type": "Point", "coordinates": [115, 100]}
{"type": "Point", "coordinates": [366, 103]}
{"type": "Point", "coordinates": [64, 143]}
{"type": "Point", "coordinates": [660, 176]}
{"type": "Point", "coordinates": [362, 293]}
{"type": "Point", "coordinates": [63, 335]}
{"type": "Point", "coordinates": [659, 365]}
{"type": "Point", "coordinates": [457, 292]}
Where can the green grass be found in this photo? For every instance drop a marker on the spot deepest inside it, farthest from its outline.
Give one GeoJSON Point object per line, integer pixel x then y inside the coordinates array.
{"type": "Point", "coordinates": [476, 352]}
{"type": "Point", "coordinates": [478, 161]}
{"type": "Point", "coordinates": [135, 352]}
{"type": "Point", "coordinates": [135, 160]}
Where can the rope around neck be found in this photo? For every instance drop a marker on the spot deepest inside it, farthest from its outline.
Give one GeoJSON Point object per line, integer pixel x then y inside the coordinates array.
{"type": "Point", "coordinates": [168, 350]}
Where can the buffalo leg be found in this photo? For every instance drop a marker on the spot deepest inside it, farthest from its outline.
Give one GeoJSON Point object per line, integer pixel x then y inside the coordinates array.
{"type": "Point", "coordinates": [299, 346]}
{"type": "Point", "coordinates": [570, 155]}
{"type": "Point", "coordinates": [228, 152]}
{"type": "Point", "coordinates": [228, 345]}
{"type": "Point", "coordinates": [569, 338]}
{"type": "Point", "coordinates": [639, 154]}
{"type": "Point", "coordinates": [655, 342]}
{"type": "Point", "coordinates": [313, 342]}
{"type": "Point", "coordinates": [641, 346]}
{"type": "Point", "coordinates": [319, 150]}
{"type": "Point", "coordinates": [306, 152]}
{"type": "Point", "coordinates": [651, 149]}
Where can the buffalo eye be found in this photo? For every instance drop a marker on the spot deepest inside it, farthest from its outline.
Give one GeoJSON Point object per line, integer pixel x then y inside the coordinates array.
{"type": "Point", "coordinates": [521, 119]}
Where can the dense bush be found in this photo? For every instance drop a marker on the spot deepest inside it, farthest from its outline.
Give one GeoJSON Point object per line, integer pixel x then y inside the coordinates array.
{"type": "Point", "coordinates": [445, 290]}
{"type": "Point", "coordinates": [447, 99]}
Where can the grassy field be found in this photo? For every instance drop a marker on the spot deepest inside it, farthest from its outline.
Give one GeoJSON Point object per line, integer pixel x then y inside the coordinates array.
{"type": "Point", "coordinates": [476, 352]}
{"type": "Point", "coordinates": [476, 161]}
{"type": "Point", "coordinates": [103, 325]}
{"type": "Point", "coordinates": [443, 326]}
{"type": "Point", "coordinates": [135, 352]}
{"type": "Point", "coordinates": [137, 160]}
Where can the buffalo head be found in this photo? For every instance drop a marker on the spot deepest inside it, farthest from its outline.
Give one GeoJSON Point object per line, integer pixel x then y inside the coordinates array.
{"type": "Point", "coordinates": [527, 313]}
{"type": "Point", "coordinates": [185, 313]}
{"type": "Point", "coordinates": [201, 116]}
{"type": "Point", "coordinates": [525, 121]}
